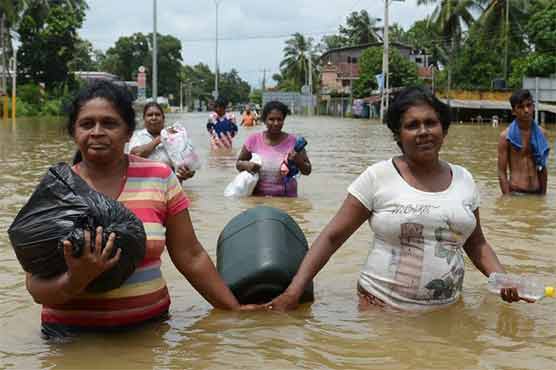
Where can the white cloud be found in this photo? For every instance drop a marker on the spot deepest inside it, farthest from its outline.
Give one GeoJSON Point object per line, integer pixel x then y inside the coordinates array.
{"type": "Point", "coordinates": [263, 26]}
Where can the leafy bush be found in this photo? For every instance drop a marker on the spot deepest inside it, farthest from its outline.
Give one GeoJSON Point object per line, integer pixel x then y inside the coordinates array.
{"type": "Point", "coordinates": [30, 93]}
{"type": "Point", "coordinates": [51, 107]}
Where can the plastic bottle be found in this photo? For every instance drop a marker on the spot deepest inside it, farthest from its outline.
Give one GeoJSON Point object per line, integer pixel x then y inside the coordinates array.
{"type": "Point", "coordinates": [526, 287]}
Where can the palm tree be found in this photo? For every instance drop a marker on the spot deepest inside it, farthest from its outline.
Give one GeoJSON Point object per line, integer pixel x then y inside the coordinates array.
{"type": "Point", "coordinates": [503, 22]}
{"type": "Point", "coordinates": [359, 29]}
{"type": "Point", "coordinates": [451, 18]}
{"type": "Point", "coordinates": [297, 52]}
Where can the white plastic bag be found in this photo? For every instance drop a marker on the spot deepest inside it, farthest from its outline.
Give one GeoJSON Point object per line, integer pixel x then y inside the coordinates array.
{"type": "Point", "coordinates": [179, 147]}
{"type": "Point", "coordinates": [244, 183]}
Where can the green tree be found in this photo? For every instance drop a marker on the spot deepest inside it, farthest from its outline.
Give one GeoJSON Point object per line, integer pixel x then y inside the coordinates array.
{"type": "Point", "coordinates": [451, 18]}
{"type": "Point", "coordinates": [541, 29]}
{"type": "Point", "coordinates": [284, 83]}
{"type": "Point", "coordinates": [423, 35]}
{"type": "Point", "coordinates": [403, 72]}
{"type": "Point", "coordinates": [131, 52]}
{"type": "Point", "coordinates": [48, 37]}
{"type": "Point", "coordinates": [169, 64]}
{"type": "Point", "coordinates": [233, 87]}
{"type": "Point", "coordinates": [127, 55]}
{"type": "Point", "coordinates": [477, 63]}
{"type": "Point", "coordinates": [496, 31]}
{"type": "Point", "coordinates": [294, 66]}
{"type": "Point", "coordinates": [398, 34]}
{"type": "Point", "coordinates": [84, 58]}
{"type": "Point", "coordinates": [199, 82]}
{"type": "Point", "coordinates": [359, 29]}
{"type": "Point", "coordinates": [330, 42]}
{"type": "Point", "coordinates": [256, 96]}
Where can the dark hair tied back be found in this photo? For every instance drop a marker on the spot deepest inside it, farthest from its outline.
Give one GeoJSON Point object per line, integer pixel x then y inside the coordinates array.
{"type": "Point", "coordinates": [118, 96]}
{"type": "Point", "coordinates": [153, 104]}
{"type": "Point", "coordinates": [411, 97]}
{"type": "Point", "coordinates": [275, 105]}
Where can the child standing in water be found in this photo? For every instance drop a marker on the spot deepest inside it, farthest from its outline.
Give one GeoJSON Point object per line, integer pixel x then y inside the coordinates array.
{"type": "Point", "coordinates": [221, 125]}
{"type": "Point", "coordinates": [523, 150]}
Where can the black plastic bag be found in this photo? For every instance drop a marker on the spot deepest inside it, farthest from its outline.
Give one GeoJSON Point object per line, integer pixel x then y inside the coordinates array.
{"type": "Point", "coordinates": [61, 208]}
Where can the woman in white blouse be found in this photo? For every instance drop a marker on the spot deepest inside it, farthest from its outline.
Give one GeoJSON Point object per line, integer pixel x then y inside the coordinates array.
{"type": "Point", "coordinates": [146, 143]}
{"type": "Point", "coordinates": [424, 213]}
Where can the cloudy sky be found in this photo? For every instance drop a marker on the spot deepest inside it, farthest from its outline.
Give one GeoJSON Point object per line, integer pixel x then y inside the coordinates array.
{"type": "Point", "coordinates": [252, 32]}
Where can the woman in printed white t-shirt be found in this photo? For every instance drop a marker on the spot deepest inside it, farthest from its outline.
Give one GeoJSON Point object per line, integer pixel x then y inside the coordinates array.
{"type": "Point", "coordinates": [424, 213]}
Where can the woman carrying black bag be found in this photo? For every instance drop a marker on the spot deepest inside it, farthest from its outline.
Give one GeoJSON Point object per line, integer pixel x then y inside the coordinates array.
{"type": "Point", "coordinates": [101, 121]}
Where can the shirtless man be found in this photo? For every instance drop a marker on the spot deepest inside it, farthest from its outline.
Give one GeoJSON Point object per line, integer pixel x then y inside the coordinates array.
{"type": "Point", "coordinates": [523, 149]}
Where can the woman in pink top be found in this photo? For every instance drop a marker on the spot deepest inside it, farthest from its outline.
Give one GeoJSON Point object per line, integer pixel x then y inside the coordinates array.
{"type": "Point", "coordinates": [274, 146]}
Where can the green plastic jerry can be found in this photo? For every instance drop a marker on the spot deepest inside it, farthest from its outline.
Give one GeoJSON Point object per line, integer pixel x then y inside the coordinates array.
{"type": "Point", "coordinates": [258, 254]}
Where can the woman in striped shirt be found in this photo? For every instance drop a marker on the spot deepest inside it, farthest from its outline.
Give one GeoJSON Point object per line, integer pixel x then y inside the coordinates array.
{"type": "Point", "coordinates": [101, 121]}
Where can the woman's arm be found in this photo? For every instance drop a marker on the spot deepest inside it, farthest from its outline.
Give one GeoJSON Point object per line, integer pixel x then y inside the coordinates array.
{"type": "Point", "coordinates": [146, 150]}
{"type": "Point", "coordinates": [81, 271]}
{"type": "Point", "coordinates": [302, 161]}
{"type": "Point", "coordinates": [243, 162]}
{"type": "Point", "coordinates": [483, 257]}
{"type": "Point", "coordinates": [190, 258]}
{"type": "Point", "coordinates": [480, 252]}
{"type": "Point", "coordinates": [346, 221]}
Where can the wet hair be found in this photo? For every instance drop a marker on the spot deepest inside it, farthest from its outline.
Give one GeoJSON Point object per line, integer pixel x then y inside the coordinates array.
{"type": "Point", "coordinates": [411, 97]}
{"type": "Point", "coordinates": [118, 96]}
{"type": "Point", "coordinates": [221, 102]}
{"type": "Point", "coordinates": [275, 105]}
{"type": "Point", "coordinates": [519, 96]}
{"type": "Point", "coordinates": [152, 104]}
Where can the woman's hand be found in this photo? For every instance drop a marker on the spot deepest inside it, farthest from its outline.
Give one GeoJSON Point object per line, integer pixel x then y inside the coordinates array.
{"type": "Point", "coordinates": [252, 167]}
{"type": "Point", "coordinates": [511, 295]}
{"type": "Point", "coordinates": [296, 158]}
{"type": "Point", "coordinates": [183, 173]}
{"type": "Point", "coordinates": [284, 302]}
{"type": "Point", "coordinates": [93, 261]}
{"type": "Point", "coordinates": [301, 161]}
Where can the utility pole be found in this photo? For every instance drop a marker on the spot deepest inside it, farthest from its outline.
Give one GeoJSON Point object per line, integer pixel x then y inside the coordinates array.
{"type": "Point", "coordinates": [507, 37]}
{"type": "Point", "coordinates": [155, 51]}
{"type": "Point", "coordinates": [14, 79]}
{"type": "Point", "coordinates": [216, 69]}
{"type": "Point", "coordinates": [263, 84]}
{"type": "Point", "coordinates": [181, 96]}
{"type": "Point", "coordinates": [310, 85]}
{"type": "Point", "coordinates": [4, 69]}
{"type": "Point", "coordinates": [385, 46]}
{"type": "Point", "coordinates": [385, 96]}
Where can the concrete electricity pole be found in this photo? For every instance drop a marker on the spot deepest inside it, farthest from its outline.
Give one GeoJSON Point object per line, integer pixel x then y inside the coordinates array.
{"type": "Point", "coordinates": [310, 84]}
{"type": "Point", "coordinates": [155, 59]}
{"type": "Point", "coordinates": [385, 96]}
{"type": "Point", "coordinates": [507, 37]}
{"type": "Point", "coordinates": [4, 68]}
{"type": "Point", "coordinates": [216, 69]}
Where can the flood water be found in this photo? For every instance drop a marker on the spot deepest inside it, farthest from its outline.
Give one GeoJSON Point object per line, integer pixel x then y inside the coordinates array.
{"type": "Point", "coordinates": [479, 332]}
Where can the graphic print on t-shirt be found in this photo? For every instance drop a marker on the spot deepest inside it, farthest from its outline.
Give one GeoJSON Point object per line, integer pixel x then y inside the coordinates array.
{"type": "Point", "coordinates": [448, 239]}
{"type": "Point", "coordinates": [410, 265]}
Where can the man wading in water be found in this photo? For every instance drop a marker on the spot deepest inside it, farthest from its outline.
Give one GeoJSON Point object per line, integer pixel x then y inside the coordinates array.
{"type": "Point", "coordinates": [524, 148]}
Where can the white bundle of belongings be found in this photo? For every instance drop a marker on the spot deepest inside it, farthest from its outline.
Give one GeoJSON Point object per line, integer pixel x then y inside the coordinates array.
{"type": "Point", "coordinates": [244, 183]}
{"type": "Point", "coordinates": [179, 147]}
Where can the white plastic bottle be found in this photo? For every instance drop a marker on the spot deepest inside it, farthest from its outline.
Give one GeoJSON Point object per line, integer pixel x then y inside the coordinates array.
{"type": "Point", "coordinates": [526, 287]}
